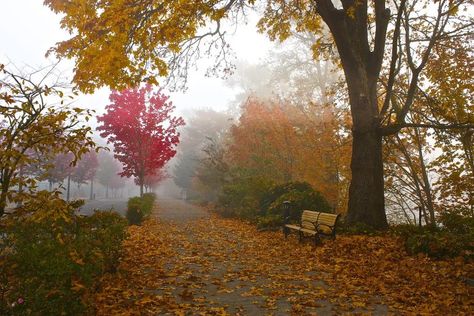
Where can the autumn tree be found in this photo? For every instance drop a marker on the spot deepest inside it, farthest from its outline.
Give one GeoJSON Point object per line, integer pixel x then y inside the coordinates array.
{"type": "Point", "coordinates": [85, 170]}
{"type": "Point", "coordinates": [379, 44]}
{"type": "Point", "coordinates": [449, 99]}
{"type": "Point", "coordinates": [204, 126]}
{"type": "Point", "coordinates": [152, 180]}
{"type": "Point", "coordinates": [35, 126]}
{"type": "Point", "coordinates": [140, 124]}
{"type": "Point", "coordinates": [279, 142]}
{"type": "Point", "coordinates": [108, 171]}
{"type": "Point", "coordinates": [60, 170]}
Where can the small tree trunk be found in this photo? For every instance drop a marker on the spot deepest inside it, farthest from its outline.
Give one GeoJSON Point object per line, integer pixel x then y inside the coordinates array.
{"type": "Point", "coordinates": [107, 191]}
{"type": "Point", "coordinates": [50, 186]}
{"type": "Point", "coordinates": [3, 201]}
{"type": "Point", "coordinates": [68, 188]}
{"type": "Point", "coordinates": [92, 190]}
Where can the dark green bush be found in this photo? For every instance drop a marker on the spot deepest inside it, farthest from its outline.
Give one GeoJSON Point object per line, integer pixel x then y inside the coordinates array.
{"type": "Point", "coordinates": [258, 200]}
{"type": "Point", "coordinates": [441, 244]}
{"type": "Point", "coordinates": [301, 196]}
{"type": "Point", "coordinates": [134, 213]}
{"type": "Point", "coordinates": [270, 221]}
{"type": "Point", "coordinates": [52, 258]}
{"type": "Point", "coordinates": [104, 232]}
{"type": "Point", "coordinates": [355, 229]}
{"type": "Point", "coordinates": [277, 191]}
{"type": "Point", "coordinates": [454, 237]}
{"type": "Point", "coordinates": [457, 222]}
{"type": "Point", "coordinates": [148, 200]}
{"type": "Point", "coordinates": [139, 208]}
{"type": "Point", "coordinates": [241, 197]}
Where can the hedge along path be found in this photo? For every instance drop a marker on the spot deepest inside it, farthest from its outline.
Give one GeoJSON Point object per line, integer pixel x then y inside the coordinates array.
{"type": "Point", "coordinates": [185, 261]}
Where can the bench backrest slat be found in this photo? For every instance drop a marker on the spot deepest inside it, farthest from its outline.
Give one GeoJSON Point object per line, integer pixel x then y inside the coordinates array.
{"type": "Point", "coordinates": [317, 217]}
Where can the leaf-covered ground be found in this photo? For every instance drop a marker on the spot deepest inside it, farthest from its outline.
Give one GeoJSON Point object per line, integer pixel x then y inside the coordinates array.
{"type": "Point", "coordinates": [187, 262]}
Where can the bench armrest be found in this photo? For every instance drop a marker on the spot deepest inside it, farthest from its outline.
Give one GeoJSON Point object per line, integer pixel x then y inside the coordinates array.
{"type": "Point", "coordinates": [312, 223]}
{"type": "Point", "coordinates": [328, 226]}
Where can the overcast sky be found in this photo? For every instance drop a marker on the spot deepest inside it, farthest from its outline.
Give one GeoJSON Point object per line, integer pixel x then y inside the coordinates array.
{"type": "Point", "coordinates": [28, 30]}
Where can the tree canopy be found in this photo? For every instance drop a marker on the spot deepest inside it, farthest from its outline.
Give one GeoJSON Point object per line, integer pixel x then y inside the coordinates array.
{"type": "Point", "coordinates": [383, 47]}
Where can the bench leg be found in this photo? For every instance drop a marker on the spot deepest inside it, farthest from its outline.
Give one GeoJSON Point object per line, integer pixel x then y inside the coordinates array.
{"type": "Point", "coordinates": [300, 236]}
{"type": "Point", "coordinates": [317, 240]}
{"type": "Point", "coordinates": [286, 232]}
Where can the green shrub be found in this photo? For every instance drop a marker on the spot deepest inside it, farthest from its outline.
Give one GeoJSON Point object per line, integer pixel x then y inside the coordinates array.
{"type": "Point", "coordinates": [241, 197]}
{"type": "Point", "coordinates": [148, 200]}
{"type": "Point", "coordinates": [355, 229]}
{"type": "Point", "coordinates": [258, 200]}
{"type": "Point", "coordinates": [134, 213]}
{"type": "Point", "coordinates": [455, 237]}
{"type": "Point", "coordinates": [139, 208]}
{"type": "Point", "coordinates": [301, 196]}
{"type": "Point", "coordinates": [52, 258]}
{"type": "Point", "coordinates": [104, 232]}
{"type": "Point", "coordinates": [277, 191]}
{"type": "Point", "coordinates": [270, 221]}
{"type": "Point", "coordinates": [440, 244]}
{"type": "Point", "coordinates": [457, 222]}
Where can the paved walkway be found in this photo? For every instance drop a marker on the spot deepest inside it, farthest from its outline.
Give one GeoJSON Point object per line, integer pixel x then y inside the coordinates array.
{"type": "Point", "coordinates": [185, 261]}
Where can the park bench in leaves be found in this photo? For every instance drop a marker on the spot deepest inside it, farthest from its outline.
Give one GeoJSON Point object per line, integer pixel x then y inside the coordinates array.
{"type": "Point", "coordinates": [313, 225]}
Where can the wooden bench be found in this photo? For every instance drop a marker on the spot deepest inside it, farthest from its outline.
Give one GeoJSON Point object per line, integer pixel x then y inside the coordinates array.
{"type": "Point", "coordinates": [313, 225]}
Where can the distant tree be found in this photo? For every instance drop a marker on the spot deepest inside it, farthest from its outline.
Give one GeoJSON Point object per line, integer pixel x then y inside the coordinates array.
{"type": "Point", "coordinates": [279, 142]}
{"type": "Point", "coordinates": [144, 132]}
{"type": "Point", "coordinates": [116, 184]}
{"type": "Point", "coordinates": [108, 171]}
{"type": "Point", "coordinates": [60, 170]}
{"type": "Point", "coordinates": [205, 125]}
{"type": "Point", "coordinates": [86, 170]}
{"type": "Point", "coordinates": [152, 180]}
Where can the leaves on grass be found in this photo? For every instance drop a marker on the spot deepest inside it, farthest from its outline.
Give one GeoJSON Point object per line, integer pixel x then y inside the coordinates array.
{"type": "Point", "coordinates": [219, 266]}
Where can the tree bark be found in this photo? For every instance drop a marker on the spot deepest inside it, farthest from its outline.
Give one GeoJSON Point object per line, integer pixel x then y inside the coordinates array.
{"type": "Point", "coordinates": [92, 190]}
{"type": "Point", "coordinates": [68, 188]}
{"type": "Point", "coordinates": [366, 191]}
{"type": "Point", "coordinates": [362, 64]}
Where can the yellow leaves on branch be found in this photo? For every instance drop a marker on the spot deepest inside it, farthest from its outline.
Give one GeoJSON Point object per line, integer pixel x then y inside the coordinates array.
{"type": "Point", "coordinates": [121, 43]}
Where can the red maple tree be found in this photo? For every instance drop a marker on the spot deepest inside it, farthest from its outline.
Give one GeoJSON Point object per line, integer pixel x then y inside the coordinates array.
{"type": "Point", "coordinates": [140, 125]}
{"type": "Point", "coordinates": [151, 181]}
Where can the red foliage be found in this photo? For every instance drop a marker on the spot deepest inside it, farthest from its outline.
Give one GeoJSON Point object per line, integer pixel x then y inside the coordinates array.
{"type": "Point", "coordinates": [152, 180]}
{"type": "Point", "coordinates": [140, 124]}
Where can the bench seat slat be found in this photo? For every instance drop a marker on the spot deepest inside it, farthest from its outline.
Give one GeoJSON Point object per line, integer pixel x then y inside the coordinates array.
{"type": "Point", "coordinates": [308, 231]}
{"type": "Point", "coordinates": [295, 227]}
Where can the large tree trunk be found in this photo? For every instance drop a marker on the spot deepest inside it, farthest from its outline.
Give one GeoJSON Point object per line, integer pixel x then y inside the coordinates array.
{"type": "Point", "coordinates": [366, 191]}
{"type": "Point", "coordinates": [362, 63]}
